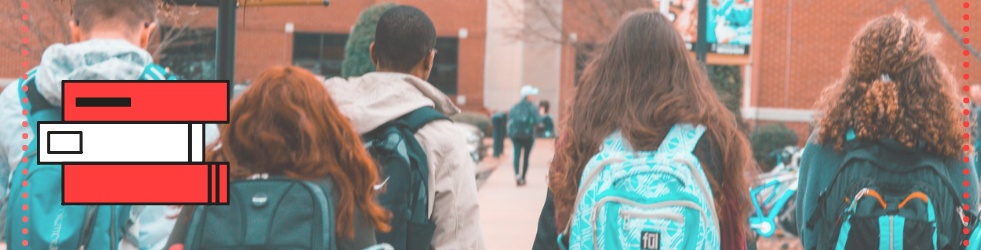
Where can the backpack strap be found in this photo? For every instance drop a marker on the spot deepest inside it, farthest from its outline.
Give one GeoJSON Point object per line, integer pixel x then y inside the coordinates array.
{"type": "Point", "coordinates": [155, 72]}
{"type": "Point", "coordinates": [682, 137]}
{"type": "Point", "coordinates": [420, 117]}
{"type": "Point", "coordinates": [35, 101]}
{"type": "Point", "coordinates": [88, 225]}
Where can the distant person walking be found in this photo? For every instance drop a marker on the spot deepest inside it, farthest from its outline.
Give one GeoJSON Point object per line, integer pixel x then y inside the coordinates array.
{"type": "Point", "coordinates": [499, 121]}
{"type": "Point", "coordinates": [548, 127]}
{"type": "Point", "coordinates": [523, 119]}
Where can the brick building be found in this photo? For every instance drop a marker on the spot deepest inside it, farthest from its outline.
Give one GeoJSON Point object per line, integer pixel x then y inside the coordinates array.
{"type": "Point", "coordinates": [797, 50]}
{"type": "Point", "coordinates": [316, 42]}
{"type": "Point", "coordinates": [802, 46]}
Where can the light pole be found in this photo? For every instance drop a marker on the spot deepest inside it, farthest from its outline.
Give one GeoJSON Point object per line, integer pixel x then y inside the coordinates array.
{"type": "Point", "coordinates": [701, 44]}
{"type": "Point", "coordinates": [225, 31]}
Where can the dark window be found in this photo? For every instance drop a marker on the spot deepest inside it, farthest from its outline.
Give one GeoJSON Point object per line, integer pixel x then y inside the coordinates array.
{"type": "Point", "coordinates": [445, 65]}
{"type": "Point", "coordinates": [583, 55]}
{"type": "Point", "coordinates": [188, 53]}
{"type": "Point", "coordinates": [320, 53]}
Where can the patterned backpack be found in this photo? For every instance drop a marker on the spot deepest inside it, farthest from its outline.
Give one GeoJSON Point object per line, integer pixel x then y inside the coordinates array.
{"type": "Point", "coordinates": [645, 200]}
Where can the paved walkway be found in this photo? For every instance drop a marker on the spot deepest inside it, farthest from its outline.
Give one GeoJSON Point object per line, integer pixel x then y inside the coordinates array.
{"type": "Point", "coordinates": [508, 213]}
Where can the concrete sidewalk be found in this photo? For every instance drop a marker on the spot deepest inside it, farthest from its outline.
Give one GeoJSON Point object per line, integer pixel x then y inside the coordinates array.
{"type": "Point", "coordinates": [508, 213]}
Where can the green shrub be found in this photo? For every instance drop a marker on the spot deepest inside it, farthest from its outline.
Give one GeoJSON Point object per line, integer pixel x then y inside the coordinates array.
{"type": "Point", "coordinates": [728, 83]}
{"type": "Point", "coordinates": [479, 120]}
{"type": "Point", "coordinates": [769, 137]}
{"type": "Point", "coordinates": [357, 59]}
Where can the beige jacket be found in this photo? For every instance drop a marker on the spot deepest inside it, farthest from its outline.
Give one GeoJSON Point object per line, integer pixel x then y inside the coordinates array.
{"type": "Point", "coordinates": [376, 98]}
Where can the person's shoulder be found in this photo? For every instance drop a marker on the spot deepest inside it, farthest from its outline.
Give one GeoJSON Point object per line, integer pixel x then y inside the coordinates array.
{"type": "Point", "coordinates": [335, 81]}
{"type": "Point", "coordinates": [440, 135]}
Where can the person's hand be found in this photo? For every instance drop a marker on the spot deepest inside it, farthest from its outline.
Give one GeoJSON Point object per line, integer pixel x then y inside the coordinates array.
{"type": "Point", "coordinates": [173, 212]}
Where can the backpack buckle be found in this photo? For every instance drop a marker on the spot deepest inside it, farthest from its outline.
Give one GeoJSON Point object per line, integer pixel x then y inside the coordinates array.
{"type": "Point", "coordinates": [262, 176]}
{"type": "Point", "coordinates": [962, 217]}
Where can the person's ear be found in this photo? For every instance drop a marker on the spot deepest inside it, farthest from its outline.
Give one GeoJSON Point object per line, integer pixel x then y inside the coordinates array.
{"type": "Point", "coordinates": [145, 34]}
{"type": "Point", "coordinates": [371, 51]}
{"type": "Point", "coordinates": [427, 64]}
{"type": "Point", "coordinates": [76, 32]}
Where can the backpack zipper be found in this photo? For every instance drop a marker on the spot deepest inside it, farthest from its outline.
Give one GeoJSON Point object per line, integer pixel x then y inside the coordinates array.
{"type": "Point", "coordinates": [653, 215]}
{"type": "Point", "coordinates": [891, 232]}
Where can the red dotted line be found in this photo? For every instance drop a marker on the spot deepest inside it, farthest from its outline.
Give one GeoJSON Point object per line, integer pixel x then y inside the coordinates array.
{"type": "Point", "coordinates": [967, 171]}
{"type": "Point", "coordinates": [24, 52]}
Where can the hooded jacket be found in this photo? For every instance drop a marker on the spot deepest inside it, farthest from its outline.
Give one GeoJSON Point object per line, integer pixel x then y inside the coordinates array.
{"type": "Point", "coordinates": [376, 98]}
{"type": "Point", "coordinates": [95, 59]}
{"type": "Point", "coordinates": [818, 164]}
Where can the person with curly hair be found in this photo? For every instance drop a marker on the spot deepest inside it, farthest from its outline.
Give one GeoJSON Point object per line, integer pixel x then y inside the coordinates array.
{"type": "Point", "coordinates": [894, 91]}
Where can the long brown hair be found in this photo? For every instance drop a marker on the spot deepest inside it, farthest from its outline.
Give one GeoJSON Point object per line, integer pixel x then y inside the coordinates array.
{"type": "Point", "coordinates": [894, 86]}
{"type": "Point", "coordinates": [642, 82]}
{"type": "Point", "coordinates": [287, 124]}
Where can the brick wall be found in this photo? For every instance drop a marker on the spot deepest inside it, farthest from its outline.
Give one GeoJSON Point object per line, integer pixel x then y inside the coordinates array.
{"type": "Point", "coordinates": [820, 33]}
{"type": "Point", "coordinates": [261, 39]}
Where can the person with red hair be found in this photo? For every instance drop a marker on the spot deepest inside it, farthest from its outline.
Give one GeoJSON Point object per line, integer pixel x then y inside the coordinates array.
{"type": "Point", "coordinates": [286, 124]}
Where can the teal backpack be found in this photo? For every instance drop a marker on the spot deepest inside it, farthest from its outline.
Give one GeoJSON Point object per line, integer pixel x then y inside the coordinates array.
{"type": "Point", "coordinates": [49, 223]}
{"type": "Point", "coordinates": [645, 200]}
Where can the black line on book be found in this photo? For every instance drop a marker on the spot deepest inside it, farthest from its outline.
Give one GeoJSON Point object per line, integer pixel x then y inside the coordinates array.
{"type": "Point", "coordinates": [101, 102]}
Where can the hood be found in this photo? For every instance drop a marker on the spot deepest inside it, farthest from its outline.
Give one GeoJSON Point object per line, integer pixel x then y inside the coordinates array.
{"type": "Point", "coordinates": [378, 97]}
{"type": "Point", "coordinates": [96, 59]}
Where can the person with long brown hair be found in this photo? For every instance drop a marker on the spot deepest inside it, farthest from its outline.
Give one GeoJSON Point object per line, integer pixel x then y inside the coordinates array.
{"type": "Point", "coordinates": [287, 124]}
{"type": "Point", "coordinates": [642, 83]}
{"type": "Point", "coordinates": [898, 100]}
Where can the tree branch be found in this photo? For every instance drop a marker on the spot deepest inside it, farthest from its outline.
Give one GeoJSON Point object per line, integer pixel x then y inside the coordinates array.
{"type": "Point", "coordinates": [951, 31]}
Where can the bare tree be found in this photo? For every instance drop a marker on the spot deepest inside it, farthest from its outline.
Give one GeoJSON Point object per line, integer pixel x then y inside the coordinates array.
{"type": "Point", "coordinates": [542, 20]}
{"type": "Point", "coordinates": [179, 31]}
{"type": "Point", "coordinates": [48, 23]}
{"type": "Point", "coordinates": [949, 29]}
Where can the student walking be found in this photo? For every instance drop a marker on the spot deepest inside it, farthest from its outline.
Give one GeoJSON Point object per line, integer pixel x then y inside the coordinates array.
{"type": "Point", "coordinates": [885, 165]}
{"type": "Point", "coordinates": [646, 130]}
{"type": "Point", "coordinates": [108, 42]}
{"type": "Point", "coordinates": [523, 118]}
{"type": "Point", "coordinates": [286, 126]}
{"type": "Point", "coordinates": [397, 93]}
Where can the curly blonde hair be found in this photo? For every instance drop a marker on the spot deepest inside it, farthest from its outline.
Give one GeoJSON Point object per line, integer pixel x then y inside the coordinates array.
{"type": "Point", "coordinates": [894, 86]}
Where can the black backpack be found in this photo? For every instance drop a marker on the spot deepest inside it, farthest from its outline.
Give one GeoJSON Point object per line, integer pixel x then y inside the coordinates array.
{"type": "Point", "coordinates": [885, 193]}
{"type": "Point", "coordinates": [404, 171]}
{"type": "Point", "coordinates": [272, 213]}
{"type": "Point", "coordinates": [521, 120]}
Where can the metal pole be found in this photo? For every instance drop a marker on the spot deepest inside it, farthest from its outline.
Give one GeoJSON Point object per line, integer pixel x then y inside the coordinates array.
{"type": "Point", "coordinates": [225, 37]}
{"type": "Point", "coordinates": [701, 44]}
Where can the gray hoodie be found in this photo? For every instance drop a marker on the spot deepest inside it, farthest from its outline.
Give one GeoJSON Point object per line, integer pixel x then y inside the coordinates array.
{"type": "Point", "coordinates": [376, 98]}
{"type": "Point", "coordinates": [96, 59]}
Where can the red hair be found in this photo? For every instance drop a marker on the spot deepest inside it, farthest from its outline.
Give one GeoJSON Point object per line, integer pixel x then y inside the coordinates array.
{"type": "Point", "coordinates": [287, 124]}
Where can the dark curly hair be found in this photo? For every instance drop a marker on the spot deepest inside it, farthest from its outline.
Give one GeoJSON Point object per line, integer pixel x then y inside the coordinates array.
{"type": "Point", "coordinates": [894, 86]}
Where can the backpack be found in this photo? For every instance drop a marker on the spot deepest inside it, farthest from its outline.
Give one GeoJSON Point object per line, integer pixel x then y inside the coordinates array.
{"type": "Point", "coordinates": [887, 196]}
{"type": "Point", "coordinates": [405, 170]}
{"type": "Point", "coordinates": [521, 120]}
{"type": "Point", "coordinates": [268, 213]}
{"type": "Point", "coordinates": [645, 200]}
{"type": "Point", "coordinates": [50, 224]}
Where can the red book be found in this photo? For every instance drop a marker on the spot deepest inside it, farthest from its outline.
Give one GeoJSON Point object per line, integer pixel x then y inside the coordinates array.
{"type": "Point", "coordinates": [172, 170]}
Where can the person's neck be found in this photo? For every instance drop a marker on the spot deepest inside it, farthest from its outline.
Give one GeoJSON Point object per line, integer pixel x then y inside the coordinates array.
{"type": "Point", "coordinates": [411, 72]}
{"type": "Point", "coordinates": [110, 35]}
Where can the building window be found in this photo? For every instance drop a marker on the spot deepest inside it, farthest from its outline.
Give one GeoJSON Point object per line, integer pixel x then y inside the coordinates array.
{"type": "Point", "coordinates": [445, 65]}
{"type": "Point", "coordinates": [320, 53]}
{"type": "Point", "coordinates": [583, 55]}
{"type": "Point", "coordinates": [189, 53]}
